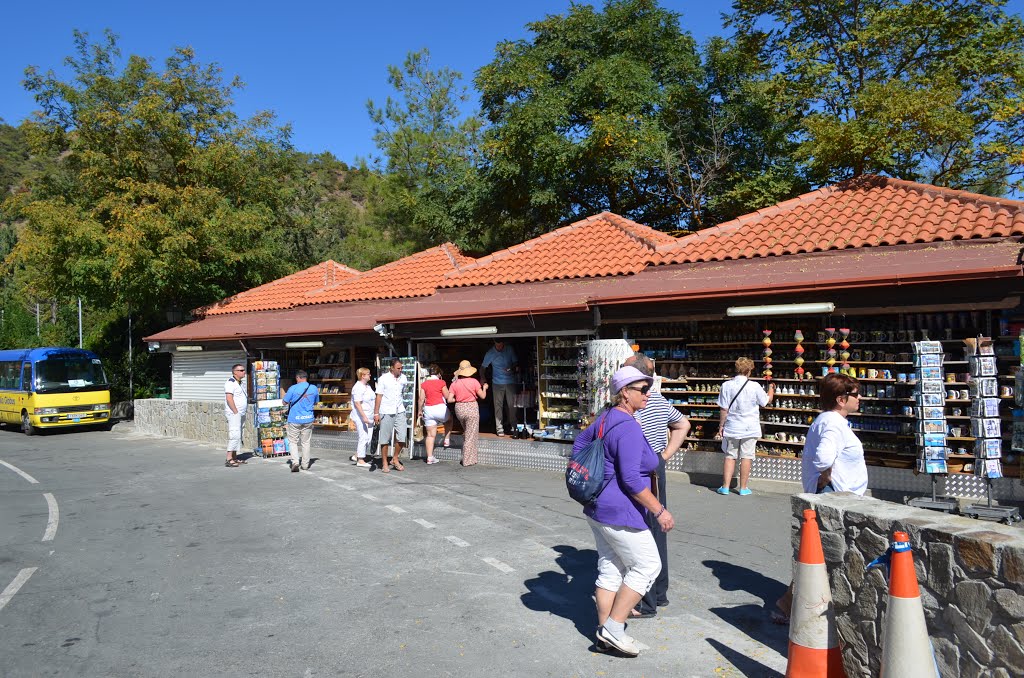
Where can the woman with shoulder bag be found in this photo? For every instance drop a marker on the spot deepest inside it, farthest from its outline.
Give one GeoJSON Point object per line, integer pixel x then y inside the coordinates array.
{"type": "Point", "coordinates": [740, 402]}
{"type": "Point", "coordinates": [627, 556]}
{"type": "Point", "coordinates": [464, 393]}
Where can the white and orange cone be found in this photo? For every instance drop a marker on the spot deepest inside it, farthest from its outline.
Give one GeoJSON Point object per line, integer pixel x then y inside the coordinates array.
{"type": "Point", "coordinates": [813, 640]}
{"type": "Point", "coordinates": [906, 649]}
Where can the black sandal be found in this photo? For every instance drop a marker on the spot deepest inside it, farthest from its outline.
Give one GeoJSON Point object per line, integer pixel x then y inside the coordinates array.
{"type": "Point", "coordinates": [231, 463]}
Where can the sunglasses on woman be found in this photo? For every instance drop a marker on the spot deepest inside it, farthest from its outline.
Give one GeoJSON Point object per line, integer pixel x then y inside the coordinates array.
{"type": "Point", "coordinates": [643, 389]}
{"type": "Point", "coordinates": [852, 394]}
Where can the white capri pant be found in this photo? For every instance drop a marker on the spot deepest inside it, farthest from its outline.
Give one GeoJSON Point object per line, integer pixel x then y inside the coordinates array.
{"type": "Point", "coordinates": [744, 448]}
{"type": "Point", "coordinates": [434, 415]}
{"type": "Point", "coordinates": [625, 555]}
{"type": "Point", "coordinates": [365, 432]}
{"type": "Point", "coordinates": [235, 422]}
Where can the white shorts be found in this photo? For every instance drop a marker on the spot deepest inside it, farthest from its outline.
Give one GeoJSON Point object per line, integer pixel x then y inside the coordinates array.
{"type": "Point", "coordinates": [742, 447]}
{"type": "Point", "coordinates": [625, 555]}
{"type": "Point", "coordinates": [435, 414]}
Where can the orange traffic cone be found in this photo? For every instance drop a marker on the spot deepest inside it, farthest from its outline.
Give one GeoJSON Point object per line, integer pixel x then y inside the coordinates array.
{"type": "Point", "coordinates": [906, 649]}
{"type": "Point", "coordinates": [813, 641]}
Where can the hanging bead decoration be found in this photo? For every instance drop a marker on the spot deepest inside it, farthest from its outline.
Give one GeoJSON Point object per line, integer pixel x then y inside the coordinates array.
{"type": "Point", "coordinates": [844, 352]}
{"type": "Point", "coordinates": [830, 353]}
{"type": "Point", "coordinates": [798, 336]}
{"type": "Point", "coordinates": [767, 343]}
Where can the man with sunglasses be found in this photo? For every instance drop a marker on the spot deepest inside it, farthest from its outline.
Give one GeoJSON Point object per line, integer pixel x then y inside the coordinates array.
{"type": "Point", "coordinates": [665, 429]}
{"type": "Point", "coordinates": [235, 404]}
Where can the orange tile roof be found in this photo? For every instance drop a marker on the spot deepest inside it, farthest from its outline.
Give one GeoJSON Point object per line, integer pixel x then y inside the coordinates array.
{"type": "Point", "coordinates": [864, 212]}
{"type": "Point", "coordinates": [604, 244]}
{"type": "Point", "coordinates": [283, 292]}
{"type": "Point", "coordinates": [416, 275]}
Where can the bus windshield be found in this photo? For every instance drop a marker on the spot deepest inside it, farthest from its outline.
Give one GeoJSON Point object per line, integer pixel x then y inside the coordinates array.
{"type": "Point", "coordinates": [67, 373]}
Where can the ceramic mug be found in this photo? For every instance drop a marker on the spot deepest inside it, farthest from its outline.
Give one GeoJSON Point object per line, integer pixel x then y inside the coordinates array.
{"type": "Point", "coordinates": [901, 377]}
{"type": "Point", "coordinates": [872, 373]}
{"type": "Point", "coordinates": [1006, 391]}
{"type": "Point", "coordinates": [950, 377]}
{"type": "Point", "coordinates": [955, 431]}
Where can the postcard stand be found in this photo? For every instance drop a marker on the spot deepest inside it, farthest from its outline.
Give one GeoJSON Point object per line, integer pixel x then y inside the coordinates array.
{"type": "Point", "coordinates": [981, 358]}
{"type": "Point", "coordinates": [931, 436]}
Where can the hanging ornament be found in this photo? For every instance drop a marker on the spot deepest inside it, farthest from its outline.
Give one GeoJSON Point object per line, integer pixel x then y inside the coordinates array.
{"type": "Point", "coordinates": [767, 343]}
{"type": "Point", "coordinates": [798, 336]}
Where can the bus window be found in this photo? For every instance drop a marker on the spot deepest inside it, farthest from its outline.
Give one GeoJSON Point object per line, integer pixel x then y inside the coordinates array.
{"type": "Point", "coordinates": [66, 373]}
{"type": "Point", "coordinates": [26, 377]}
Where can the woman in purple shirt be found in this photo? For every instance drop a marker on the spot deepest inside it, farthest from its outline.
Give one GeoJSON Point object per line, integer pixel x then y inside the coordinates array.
{"type": "Point", "coordinates": [627, 557]}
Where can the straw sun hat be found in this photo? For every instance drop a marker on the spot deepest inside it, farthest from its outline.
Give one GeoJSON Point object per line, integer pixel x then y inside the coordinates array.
{"type": "Point", "coordinates": [466, 369]}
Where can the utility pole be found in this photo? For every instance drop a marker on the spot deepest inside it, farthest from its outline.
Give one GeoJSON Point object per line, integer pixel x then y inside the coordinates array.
{"type": "Point", "coordinates": [37, 320]}
{"type": "Point", "coordinates": [79, 322]}
{"type": "Point", "coordinates": [131, 363]}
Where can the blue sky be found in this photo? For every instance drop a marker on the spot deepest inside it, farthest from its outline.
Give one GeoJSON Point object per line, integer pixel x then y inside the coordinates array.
{"type": "Point", "coordinates": [313, 63]}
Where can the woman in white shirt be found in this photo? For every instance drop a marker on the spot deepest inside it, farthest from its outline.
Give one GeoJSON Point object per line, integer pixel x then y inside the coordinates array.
{"type": "Point", "coordinates": [833, 457]}
{"type": "Point", "coordinates": [739, 407]}
{"type": "Point", "coordinates": [363, 399]}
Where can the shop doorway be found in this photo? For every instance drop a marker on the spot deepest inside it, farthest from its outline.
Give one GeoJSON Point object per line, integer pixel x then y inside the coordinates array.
{"type": "Point", "coordinates": [448, 353]}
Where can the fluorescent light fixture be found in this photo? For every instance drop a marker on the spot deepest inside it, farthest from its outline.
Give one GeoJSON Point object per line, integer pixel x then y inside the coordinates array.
{"type": "Point", "coordinates": [467, 331]}
{"type": "Point", "coordinates": [304, 344]}
{"type": "Point", "coordinates": [185, 347]}
{"type": "Point", "coordinates": [780, 309]}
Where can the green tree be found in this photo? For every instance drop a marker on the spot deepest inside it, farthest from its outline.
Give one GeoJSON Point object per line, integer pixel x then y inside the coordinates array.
{"type": "Point", "coordinates": [925, 90]}
{"type": "Point", "coordinates": [162, 197]}
{"type": "Point", "coordinates": [430, 190]}
{"type": "Point", "coordinates": [580, 116]}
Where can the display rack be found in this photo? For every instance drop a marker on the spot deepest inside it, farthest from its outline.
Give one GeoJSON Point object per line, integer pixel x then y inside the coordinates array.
{"type": "Point", "coordinates": [986, 427]}
{"type": "Point", "coordinates": [562, 387]}
{"type": "Point", "coordinates": [333, 374]}
{"type": "Point", "coordinates": [929, 397]}
{"type": "Point", "coordinates": [695, 359]}
{"type": "Point", "coordinates": [270, 412]}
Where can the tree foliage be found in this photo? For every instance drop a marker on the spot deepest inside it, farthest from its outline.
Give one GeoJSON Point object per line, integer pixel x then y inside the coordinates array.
{"type": "Point", "coordinates": [163, 197]}
{"type": "Point", "coordinates": [430, 189]}
{"type": "Point", "coordinates": [925, 90]}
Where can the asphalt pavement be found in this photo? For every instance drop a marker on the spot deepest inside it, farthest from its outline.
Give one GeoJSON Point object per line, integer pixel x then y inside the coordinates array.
{"type": "Point", "coordinates": [139, 556]}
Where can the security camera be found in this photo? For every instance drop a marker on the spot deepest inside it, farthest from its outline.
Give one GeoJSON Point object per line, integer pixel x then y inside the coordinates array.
{"type": "Point", "coordinates": [380, 329]}
{"type": "Point", "coordinates": [154, 346]}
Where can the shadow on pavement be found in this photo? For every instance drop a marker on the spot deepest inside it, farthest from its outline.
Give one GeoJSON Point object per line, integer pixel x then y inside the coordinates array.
{"type": "Point", "coordinates": [569, 593]}
{"type": "Point", "coordinates": [751, 668]}
{"type": "Point", "coordinates": [752, 620]}
{"type": "Point", "coordinates": [733, 577]}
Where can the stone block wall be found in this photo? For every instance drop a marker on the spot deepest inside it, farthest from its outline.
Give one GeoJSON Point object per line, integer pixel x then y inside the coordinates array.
{"type": "Point", "coordinates": [201, 420]}
{"type": "Point", "coordinates": [971, 575]}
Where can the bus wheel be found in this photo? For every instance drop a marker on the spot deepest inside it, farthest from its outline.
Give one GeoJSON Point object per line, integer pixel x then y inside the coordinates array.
{"type": "Point", "coordinates": [26, 425]}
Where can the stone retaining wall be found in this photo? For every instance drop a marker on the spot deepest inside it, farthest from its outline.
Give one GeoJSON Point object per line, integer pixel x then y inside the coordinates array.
{"type": "Point", "coordinates": [971, 575]}
{"type": "Point", "coordinates": [201, 420]}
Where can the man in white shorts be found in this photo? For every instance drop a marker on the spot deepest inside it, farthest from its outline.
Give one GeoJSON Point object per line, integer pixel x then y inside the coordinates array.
{"type": "Point", "coordinates": [740, 402]}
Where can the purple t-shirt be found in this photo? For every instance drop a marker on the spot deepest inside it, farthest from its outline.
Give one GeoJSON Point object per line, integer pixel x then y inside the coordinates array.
{"type": "Point", "coordinates": [628, 458]}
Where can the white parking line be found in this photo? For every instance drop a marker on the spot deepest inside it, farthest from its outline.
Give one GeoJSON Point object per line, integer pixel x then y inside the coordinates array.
{"type": "Point", "coordinates": [458, 542]}
{"type": "Point", "coordinates": [51, 522]}
{"type": "Point", "coordinates": [345, 487]}
{"type": "Point", "coordinates": [495, 563]}
{"type": "Point", "coordinates": [20, 472]}
{"type": "Point", "coordinates": [326, 480]}
{"type": "Point", "coordinates": [13, 587]}
{"type": "Point", "coordinates": [368, 496]}
{"type": "Point", "coordinates": [396, 509]}
{"type": "Point", "coordinates": [425, 523]}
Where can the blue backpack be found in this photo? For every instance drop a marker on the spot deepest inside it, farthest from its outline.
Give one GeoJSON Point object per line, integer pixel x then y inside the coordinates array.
{"type": "Point", "coordinates": [584, 474]}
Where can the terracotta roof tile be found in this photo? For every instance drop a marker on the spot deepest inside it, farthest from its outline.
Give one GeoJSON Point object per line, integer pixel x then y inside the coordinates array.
{"type": "Point", "coordinates": [416, 275]}
{"type": "Point", "coordinates": [863, 212]}
{"type": "Point", "coordinates": [601, 245]}
{"type": "Point", "coordinates": [283, 292]}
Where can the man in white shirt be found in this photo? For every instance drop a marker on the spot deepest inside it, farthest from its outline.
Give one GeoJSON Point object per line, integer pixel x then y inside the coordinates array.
{"type": "Point", "coordinates": [235, 404]}
{"type": "Point", "coordinates": [740, 402]}
{"type": "Point", "coordinates": [389, 413]}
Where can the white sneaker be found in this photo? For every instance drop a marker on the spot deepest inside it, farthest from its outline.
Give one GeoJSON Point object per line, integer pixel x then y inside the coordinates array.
{"type": "Point", "coordinates": [624, 644]}
{"type": "Point", "coordinates": [362, 463]}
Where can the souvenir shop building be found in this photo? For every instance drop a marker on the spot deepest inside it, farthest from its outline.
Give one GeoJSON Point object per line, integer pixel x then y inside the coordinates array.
{"type": "Point", "coordinates": [866, 269]}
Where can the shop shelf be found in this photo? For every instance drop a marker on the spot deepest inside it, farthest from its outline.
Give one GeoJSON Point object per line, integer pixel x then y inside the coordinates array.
{"type": "Point", "coordinates": [791, 409]}
{"type": "Point", "coordinates": [328, 365]}
{"type": "Point", "coordinates": [344, 426]}
{"type": "Point", "coordinates": [889, 416]}
{"type": "Point", "coordinates": [779, 442]}
{"type": "Point", "coordinates": [864, 362]}
{"type": "Point", "coordinates": [782, 423]}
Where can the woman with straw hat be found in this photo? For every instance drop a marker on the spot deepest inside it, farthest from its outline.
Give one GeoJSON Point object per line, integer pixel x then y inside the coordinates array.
{"type": "Point", "coordinates": [464, 392]}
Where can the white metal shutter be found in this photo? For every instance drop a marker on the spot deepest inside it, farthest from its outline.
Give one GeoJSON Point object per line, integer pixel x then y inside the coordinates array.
{"type": "Point", "coordinates": [201, 376]}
